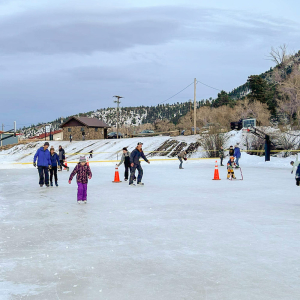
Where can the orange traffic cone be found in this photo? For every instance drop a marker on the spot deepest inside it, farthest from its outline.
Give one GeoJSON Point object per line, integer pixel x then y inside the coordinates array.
{"type": "Point", "coordinates": [216, 175]}
{"type": "Point", "coordinates": [87, 161]}
{"type": "Point", "coordinates": [117, 176]}
{"type": "Point", "coordinates": [66, 164]}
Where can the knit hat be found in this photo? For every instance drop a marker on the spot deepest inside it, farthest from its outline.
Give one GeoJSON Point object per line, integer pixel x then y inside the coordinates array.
{"type": "Point", "coordinates": [125, 148]}
{"type": "Point", "coordinates": [139, 143]}
{"type": "Point", "coordinates": [82, 159]}
{"type": "Point", "coordinates": [46, 144]}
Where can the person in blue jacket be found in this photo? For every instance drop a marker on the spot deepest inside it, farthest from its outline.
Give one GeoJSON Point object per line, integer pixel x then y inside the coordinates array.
{"type": "Point", "coordinates": [297, 177]}
{"type": "Point", "coordinates": [237, 154]}
{"type": "Point", "coordinates": [135, 156]}
{"type": "Point", "coordinates": [54, 163]}
{"type": "Point", "coordinates": [42, 156]}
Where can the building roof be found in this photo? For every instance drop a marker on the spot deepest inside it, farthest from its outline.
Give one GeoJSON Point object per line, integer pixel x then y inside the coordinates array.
{"type": "Point", "coordinates": [89, 122]}
{"type": "Point", "coordinates": [42, 136]}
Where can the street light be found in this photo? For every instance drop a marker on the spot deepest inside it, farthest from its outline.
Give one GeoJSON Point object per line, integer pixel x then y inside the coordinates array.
{"type": "Point", "coordinates": [118, 103]}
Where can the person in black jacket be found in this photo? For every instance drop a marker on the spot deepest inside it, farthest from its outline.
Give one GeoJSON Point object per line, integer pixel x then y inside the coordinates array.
{"type": "Point", "coordinates": [62, 157]}
{"type": "Point", "coordinates": [135, 156]}
{"type": "Point", "coordinates": [231, 151]}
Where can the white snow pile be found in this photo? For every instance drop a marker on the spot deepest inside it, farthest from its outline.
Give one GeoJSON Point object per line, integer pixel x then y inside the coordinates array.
{"type": "Point", "coordinates": [111, 150]}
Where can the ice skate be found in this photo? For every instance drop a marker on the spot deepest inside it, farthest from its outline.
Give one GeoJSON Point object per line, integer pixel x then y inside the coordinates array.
{"type": "Point", "coordinates": [47, 185]}
{"type": "Point", "coordinates": [56, 183]}
{"type": "Point", "coordinates": [41, 185]}
{"type": "Point", "coordinates": [79, 201]}
{"type": "Point", "coordinates": [141, 184]}
{"type": "Point", "coordinates": [84, 201]}
{"type": "Point", "coordinates": [51, 183]}
{"type": "Point", "coordinates": [132, 184]}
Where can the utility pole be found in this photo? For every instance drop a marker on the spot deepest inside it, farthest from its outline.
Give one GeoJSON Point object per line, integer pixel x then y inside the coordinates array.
{"type": "Point", "coordinates": [3, 127]}
{"type": "Point", "coordinates": [195, 107]}
{"type": "Point", "coordinates": [118, 103]}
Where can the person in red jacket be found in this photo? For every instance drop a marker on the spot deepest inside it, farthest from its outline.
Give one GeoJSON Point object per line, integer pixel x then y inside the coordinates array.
{"type": "Point", "coordinates": [84, 173]}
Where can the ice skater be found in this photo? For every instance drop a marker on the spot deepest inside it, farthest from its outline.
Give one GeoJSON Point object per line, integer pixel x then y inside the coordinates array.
{"type": "Point", "coordinates": [230, 165]}
{"type": "Point", "coordinates": [126, 160]}
{"type": "Point", "coordinates": [181, 156]}
{"type": "Point", "coordinates": [231, 151]}
{"type": "Point", "coordinates": [62, 158]}
{"type": "Point", "coordinates": [297, 177]}
{"type": "Point", "coordinates": [84, 173]}
{"type": "Point", "coordinates": [295, 164]}
{"type": "Point", "coordinates": [135, 156]}
{"type": "Point", "coordinates": [42, 156]}
{"type": "Point", "coordinates": [54, 163]}
{"type": "Point", "coordinates": [221, 155]}
{"type": "Point", "coordinates": [237, 154]}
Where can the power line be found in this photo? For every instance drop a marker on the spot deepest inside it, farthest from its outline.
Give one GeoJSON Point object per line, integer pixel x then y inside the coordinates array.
{"type": "Point", "coordinates": [177, 93]}
{"type": "Point", "coordinates": [209, 86]}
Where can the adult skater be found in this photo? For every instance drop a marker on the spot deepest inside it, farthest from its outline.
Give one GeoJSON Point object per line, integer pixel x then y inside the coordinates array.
{"type": "Point", "coordinates": [231, 151]}
{"type": "Point", "coordinates": [295, 164]}
{"type": "Point", "coordinates": [54, 162]}
{"type": "Point", "coordinates": [135, 156]}
{"type": "Point", "coordinates": [71, 138]}
{"type": "Point", "coordinates": [126, 160]}
{"type": "Point", "coordinates": [237, 154]}
{"type": "Point", "coordinates": [42, 156]}
{"type": "Point", "coordinates": [297, 177]}
{"type": "Point", "coordinates": [62, 157]}
{"type": "Point", "coordinates": [91, 154]}
{"type": "Point", "coordinates": [181, 156]}
{"type": "Point", "coordinates": [221, 155]}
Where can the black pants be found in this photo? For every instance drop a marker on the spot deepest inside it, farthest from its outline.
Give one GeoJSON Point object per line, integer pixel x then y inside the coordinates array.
{"type": "Point", "coordinates": [53, 171]}
{"type": "Point", "coordinates": [298, 181]}
{"type": "Point", "coordinates": [132, 173]}
{"type": "Point", "coordinates": [127, 169]}
{"type": "Point", "coordinates": [44, 175]}
{"type": "Point", "coordinates": [62, 164]}
{"type": "Point", "coordinates": [221, 158]}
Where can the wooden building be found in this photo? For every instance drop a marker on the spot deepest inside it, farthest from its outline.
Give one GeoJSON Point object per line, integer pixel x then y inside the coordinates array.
{"type": "Point", "coordinates": [84, 128]}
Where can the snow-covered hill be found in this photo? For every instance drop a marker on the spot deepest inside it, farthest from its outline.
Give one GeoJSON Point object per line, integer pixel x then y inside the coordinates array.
{"type": "Point", "coordinates": [159, 147]}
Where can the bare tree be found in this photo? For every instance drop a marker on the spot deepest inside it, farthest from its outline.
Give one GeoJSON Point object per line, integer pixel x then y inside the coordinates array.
{"type": "Point", "coordinates": [279, 55]}
{"type": "Point", "coordinates": [289, 103]}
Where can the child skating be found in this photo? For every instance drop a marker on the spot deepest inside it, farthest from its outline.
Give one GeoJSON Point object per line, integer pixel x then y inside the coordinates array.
{"type": "Point", "coordinates": [230, 166]}
{"type": "Point", "coordinates": [84, 173]}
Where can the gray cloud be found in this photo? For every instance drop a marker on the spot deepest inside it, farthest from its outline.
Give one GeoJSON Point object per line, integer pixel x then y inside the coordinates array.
{"type": "Point", "coordinates": [57, 63]}
{"type": "Point", "coordinates": [52, 33]}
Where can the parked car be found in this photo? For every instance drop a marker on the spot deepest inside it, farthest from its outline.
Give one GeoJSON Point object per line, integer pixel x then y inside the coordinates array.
{"type": "Point", "coordinates": [147, 131]}
{"type": "Point", "coordinates": [113, 135]}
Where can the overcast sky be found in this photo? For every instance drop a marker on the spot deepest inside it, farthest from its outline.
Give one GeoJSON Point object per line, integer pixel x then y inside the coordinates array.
{"type": "Point", "coordinates": [61, 57]}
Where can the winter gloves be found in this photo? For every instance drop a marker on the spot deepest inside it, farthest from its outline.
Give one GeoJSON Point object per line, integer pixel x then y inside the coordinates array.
{"type": "Point", "coordinates": [34, 164]}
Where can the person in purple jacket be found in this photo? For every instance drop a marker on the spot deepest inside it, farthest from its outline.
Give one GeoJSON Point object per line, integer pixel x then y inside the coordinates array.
{"type": "Point", "coordinates": [84, 173]}
{"type": "Point", "coordinates": [42, 156]}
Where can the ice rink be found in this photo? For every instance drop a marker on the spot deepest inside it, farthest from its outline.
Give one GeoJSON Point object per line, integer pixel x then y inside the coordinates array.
{"type": "Point", "coordinates": [181, 236]}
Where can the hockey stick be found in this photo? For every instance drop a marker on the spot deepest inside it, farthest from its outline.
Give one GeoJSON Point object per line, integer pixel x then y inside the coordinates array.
{"type": "Point", "coordinates": [241, 174]}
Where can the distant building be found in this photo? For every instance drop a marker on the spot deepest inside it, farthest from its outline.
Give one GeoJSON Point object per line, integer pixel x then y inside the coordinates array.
{"type": "Point", "coordinates": [9, 138]}
{"type": "Point", "coordinates": [57, 135]}
{"type": "Point", "coordinates": [84, 128]}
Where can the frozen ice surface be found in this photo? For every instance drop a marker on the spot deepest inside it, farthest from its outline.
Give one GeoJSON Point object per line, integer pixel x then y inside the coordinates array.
{"type": "Point", "coordinates": [181, 236]}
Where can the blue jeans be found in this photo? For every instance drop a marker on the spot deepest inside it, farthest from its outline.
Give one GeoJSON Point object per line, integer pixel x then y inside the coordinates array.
{"type": "Point", "coordinates": [180, 165]}
{"type": "Point", "coordinates": [132, 173]}
{"type": "Point", "coordinates": [237, 161]}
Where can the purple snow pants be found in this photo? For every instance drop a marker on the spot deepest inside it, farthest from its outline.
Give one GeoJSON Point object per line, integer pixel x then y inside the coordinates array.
{"type": "Point", "coordinates": [82, 191]}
